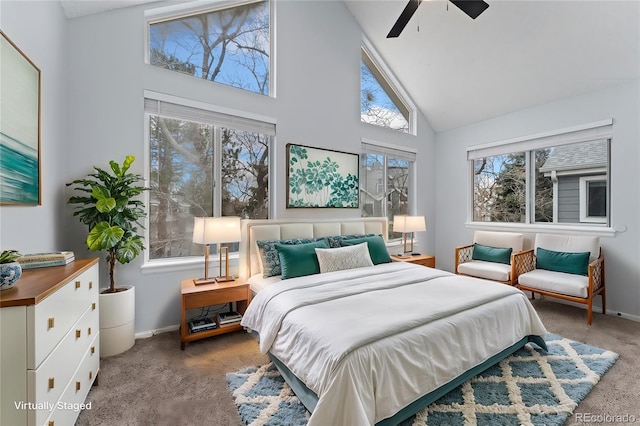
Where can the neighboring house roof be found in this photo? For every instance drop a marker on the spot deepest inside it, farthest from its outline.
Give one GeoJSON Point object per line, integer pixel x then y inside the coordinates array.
{"type": "Point", "coordinates": [583, 155]}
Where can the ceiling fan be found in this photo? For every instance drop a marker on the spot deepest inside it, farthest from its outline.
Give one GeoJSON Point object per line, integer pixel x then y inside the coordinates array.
{"type": "Point", "coordinates": [473, 8]}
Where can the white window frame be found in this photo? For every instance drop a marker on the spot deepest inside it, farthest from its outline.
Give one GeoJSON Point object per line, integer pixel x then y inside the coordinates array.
{"type": "Point", "coordinates": [584, 199]}
{"type": "Point", "coordinates": [389, 79]}
{"type": "Point", "coordinates": [183, 10]}
{"type": "Point", "coordinates": [590, 131]}
{"type": "Point", "coordinates": [369, 146]}
{"type": "Point", "coordinates": [187, 262]}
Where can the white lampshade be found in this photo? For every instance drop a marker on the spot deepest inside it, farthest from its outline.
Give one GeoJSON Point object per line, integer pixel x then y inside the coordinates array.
{"type": "Point", "coordinates": [211, 230]}
{"type": "Point", "coordinates": [409, 224]}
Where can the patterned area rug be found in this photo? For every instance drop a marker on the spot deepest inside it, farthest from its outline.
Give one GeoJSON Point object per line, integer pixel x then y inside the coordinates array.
{"type": "Point", "coordinates": [530, 387]}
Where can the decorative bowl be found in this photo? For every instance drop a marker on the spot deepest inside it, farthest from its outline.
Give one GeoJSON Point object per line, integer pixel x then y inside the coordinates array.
{"type": "Point", "coordinates": [10, 273]}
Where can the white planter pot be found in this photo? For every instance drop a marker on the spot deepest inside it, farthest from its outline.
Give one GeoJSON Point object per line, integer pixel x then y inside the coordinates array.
{"type": "Point", "coordinates": [117, 321]}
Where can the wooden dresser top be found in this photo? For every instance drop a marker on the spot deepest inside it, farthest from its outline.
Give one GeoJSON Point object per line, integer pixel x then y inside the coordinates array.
{"type": "Point", "coordinates": [36, 284]}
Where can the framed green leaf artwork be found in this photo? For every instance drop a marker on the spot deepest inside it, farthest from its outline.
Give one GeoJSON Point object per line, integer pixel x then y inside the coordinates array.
{"type": "Point", "coordinates": [321, 178]}
{"type": "Point", "coordinates": [19, 126]}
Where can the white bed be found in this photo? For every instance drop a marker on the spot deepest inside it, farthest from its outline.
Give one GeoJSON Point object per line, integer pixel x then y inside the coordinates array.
{"type": "Point", "coordinates": [374, 344]}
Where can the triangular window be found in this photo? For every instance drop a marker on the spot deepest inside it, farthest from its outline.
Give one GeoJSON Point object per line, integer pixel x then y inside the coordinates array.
{"type": "Point", "coordinates": [380, 103]}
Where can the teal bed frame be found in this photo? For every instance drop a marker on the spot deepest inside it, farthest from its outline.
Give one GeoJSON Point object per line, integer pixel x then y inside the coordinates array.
{"type": "Point", "coordinates": [309, 399]}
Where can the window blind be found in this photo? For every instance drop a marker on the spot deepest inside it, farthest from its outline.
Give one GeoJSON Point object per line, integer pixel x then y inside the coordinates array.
{"type": "Point", "coordinates": [372, 148]}
{"type": "Point", "coordinates": [199, 115]}
{"type": "Point", "coordinates": [588, 132]}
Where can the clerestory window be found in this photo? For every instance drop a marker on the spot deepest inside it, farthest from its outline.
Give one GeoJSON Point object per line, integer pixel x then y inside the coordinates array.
{"type": "Point", "coordinates": [229, 45]}
{"type": "Point", "coordinates": [380, 103]}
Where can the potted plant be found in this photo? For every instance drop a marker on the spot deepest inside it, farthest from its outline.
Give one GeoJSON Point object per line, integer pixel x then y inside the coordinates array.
{"type": "Point", "coordinates": [109, 207]}
{"type": "Point", "coordinates": [10, 269]}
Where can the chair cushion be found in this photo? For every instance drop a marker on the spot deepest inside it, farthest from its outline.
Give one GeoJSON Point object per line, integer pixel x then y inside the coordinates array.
{"type": "Point", "coordinates": [556, 282]}
{"type": "Point", "coordinates": [487, 270]}
{"type": "Point", "coordinates": [491, 254]}
{"type": "Point", "coordinates": [499, 239]}
{"type": "Point", "coordinates": [559, 261]}
{"type": "Point", "coordinates": [569, 243]}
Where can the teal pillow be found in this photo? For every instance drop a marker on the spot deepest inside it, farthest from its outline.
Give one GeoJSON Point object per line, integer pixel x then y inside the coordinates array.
{"type": "Point", "coordinates": [377, 248]}
{"type": "Point", "coordinates": [269, 254]}
{"type": "Point", "coordinates": [559, 261]}
{"type": "Point", "coordinates": [297, 260]}
{"type": "Point", "coordinates": [336, 240]}
{"type": "Point", "coordinates": [491, 254]}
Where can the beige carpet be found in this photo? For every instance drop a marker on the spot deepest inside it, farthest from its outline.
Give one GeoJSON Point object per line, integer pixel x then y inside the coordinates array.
{"type": "Point", "coordinates": [155, 383]}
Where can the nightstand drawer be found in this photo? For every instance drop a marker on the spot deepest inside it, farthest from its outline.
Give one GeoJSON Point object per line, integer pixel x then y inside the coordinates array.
{"type": "Point", "coordinates": [217, 297]}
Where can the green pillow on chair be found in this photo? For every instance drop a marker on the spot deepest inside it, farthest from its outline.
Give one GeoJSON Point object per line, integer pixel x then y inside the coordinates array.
{"type": "Point", "coordinates": [491, 254]}
{"type": "Point", "coordinates": [559, 261]}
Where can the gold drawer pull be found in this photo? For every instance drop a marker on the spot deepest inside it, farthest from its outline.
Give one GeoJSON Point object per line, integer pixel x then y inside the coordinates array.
{"type": "Point", "coordinates": [93, 306]}
{"type": "Point", "coordinates": [90, 375]}
{"type": "Point", "coordinates": [89, 331]}
{"type": "Point", "coordinates": [77, 386]}
{"type": "Point", "coordinates": [51, 382]}
{"type": "Point", "coordinates": [78, 333]}
{"type": "Point", "coordinates": [93, 350]}
{"type": "Point", "coordinates": [51, 322]}
{"type": "Point", "coordinates": [90, 285]}
{"type": "Point", "coordinates": [77, 284]}
{"type": "Point", "coordinates": [51, 423]}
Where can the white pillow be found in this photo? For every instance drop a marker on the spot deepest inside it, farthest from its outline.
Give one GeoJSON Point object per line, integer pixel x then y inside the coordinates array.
{"type": "Point", "coordinates": [349, 257]}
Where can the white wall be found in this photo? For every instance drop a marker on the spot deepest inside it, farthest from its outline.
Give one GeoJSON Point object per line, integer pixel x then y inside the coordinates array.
{"type": "Point", "coordinates": [317, 104]}
{"type": "Point", "coordinates": [622, 252]}
{"type": "Point", "coordinates": [39, 30]}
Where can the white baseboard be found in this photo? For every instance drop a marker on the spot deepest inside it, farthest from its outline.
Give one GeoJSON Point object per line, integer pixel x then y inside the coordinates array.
{"type": "Point", "coordinates": [151, 333]}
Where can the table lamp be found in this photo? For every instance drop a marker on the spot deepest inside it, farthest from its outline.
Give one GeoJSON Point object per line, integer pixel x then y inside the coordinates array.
{"type": "Point", "coordinates": [406, 225]}
{"type": "Point", "coordinates": [210, 230]}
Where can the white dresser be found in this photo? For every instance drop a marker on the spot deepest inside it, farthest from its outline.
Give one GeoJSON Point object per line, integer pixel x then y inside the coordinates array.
{"type": "Point", "coordinates": [49, 344]}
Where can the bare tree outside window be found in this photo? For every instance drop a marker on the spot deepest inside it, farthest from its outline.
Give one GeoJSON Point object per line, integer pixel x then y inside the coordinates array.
{"type": "Point", "coordinates": [376, 107]}
{"type": "Point", "coordinates": [229, 46]}
{"type": "Point", "coordinates": [384, 187]}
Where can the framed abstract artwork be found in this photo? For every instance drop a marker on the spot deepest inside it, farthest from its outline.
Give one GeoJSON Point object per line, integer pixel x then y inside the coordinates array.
{"type": "Point", "coordinates": [19, 126]}
{"type": "Point", "coordinates": [321, 178]}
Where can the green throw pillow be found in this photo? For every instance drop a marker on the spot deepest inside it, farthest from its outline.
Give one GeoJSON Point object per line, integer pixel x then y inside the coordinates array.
{"type": "Point", "coordinates": [377, 248]}
{"type": "Point", "coordinates": [559, 261]}
{"type": "Point", "coordinates": [297, 260]}
{"type": "Point", "coordinates": [491, 254]}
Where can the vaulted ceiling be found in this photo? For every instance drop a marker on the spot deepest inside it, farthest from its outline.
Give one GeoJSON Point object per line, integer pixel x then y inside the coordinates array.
{"type": "Point", "coordinates": [515, 55]}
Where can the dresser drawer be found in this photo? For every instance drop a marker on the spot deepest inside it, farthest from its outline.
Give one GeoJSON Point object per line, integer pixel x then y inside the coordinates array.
{"type": "Point", "coordinates": [51, 319]}
{"type": "Point", "coordinates": [47, 383]}
{"type": "Point", "coordinates": [73, 399]}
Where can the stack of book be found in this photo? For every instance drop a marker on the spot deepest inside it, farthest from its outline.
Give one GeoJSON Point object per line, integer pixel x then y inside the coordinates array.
{"type": "Point", "coordinates": [44, 260]}
{"type": "Point", "coordinates": [229, 318]}
{"type": "Point", "coordinates": [201, 324]}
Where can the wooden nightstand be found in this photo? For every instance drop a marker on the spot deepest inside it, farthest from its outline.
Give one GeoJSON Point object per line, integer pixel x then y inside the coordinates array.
{"type": "Point", "coordinates": [198, 296]}
{"type": "Point", "coordinates": [421, 259]}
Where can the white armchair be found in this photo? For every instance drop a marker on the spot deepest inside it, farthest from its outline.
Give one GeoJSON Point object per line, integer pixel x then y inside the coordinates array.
{"type": "Point", "coordinates": [468, 264]}
{"type": "Point", "coordinates": [572, 277]}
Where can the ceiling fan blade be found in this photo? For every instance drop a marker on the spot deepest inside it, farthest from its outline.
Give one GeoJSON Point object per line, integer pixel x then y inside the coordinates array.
{"type": "Point", "coordinates": [404, 18]}
{"type": "Point", "coordinates": [473, 8]}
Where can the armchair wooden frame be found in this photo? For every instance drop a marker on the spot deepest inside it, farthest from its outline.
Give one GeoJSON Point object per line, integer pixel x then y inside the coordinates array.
{"type": "Point", "coordinates": [465, 253]}
{"type": "Point", "coordinates": [525, 261]}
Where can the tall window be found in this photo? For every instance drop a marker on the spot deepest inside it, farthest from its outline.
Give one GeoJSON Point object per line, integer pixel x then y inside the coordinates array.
{"type": "Point", "coordinates": [380, 103]}
{"type": "Point", "coordinates": [229, 45]}
{"type": "Point", "coordinates": [561, 179]}
{"type": "Point", "coordinates": [385, 183]}
{"type": "Point", "coordinates": [202, 163]}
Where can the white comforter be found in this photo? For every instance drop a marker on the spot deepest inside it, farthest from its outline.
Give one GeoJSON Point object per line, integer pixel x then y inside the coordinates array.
{"type": "Point", "coordinates": [370, 341]}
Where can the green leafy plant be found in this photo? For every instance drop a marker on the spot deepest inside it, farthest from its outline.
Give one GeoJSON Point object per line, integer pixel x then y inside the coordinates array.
{"type": "Point", "coordinates": [112, 213]}
{"type": "Point", "coordinates": [8, 256]}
